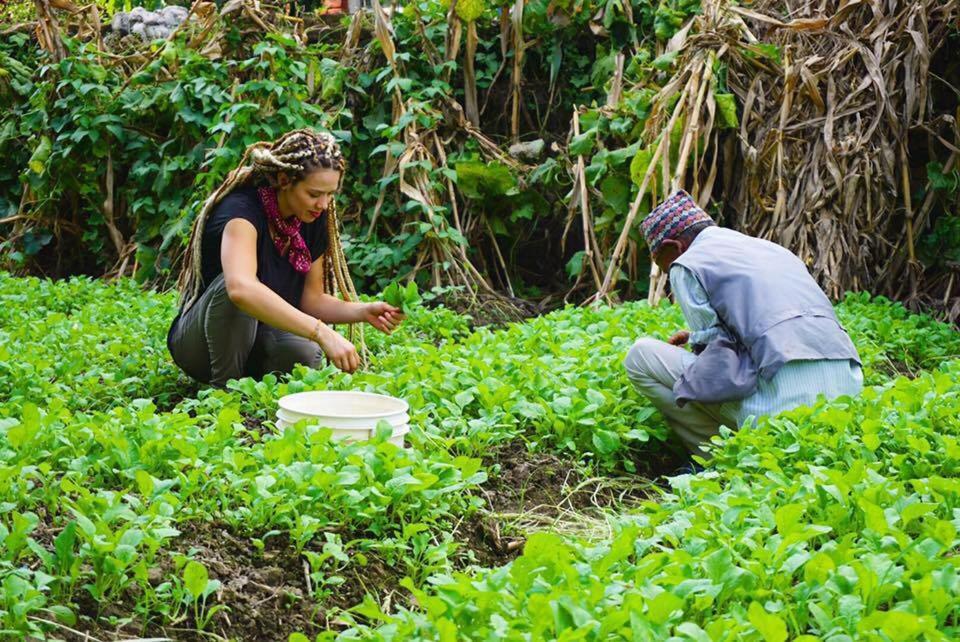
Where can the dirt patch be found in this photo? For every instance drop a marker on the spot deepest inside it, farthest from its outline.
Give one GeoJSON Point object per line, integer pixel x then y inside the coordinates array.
{"type": "Point", "coordinates": [548, 483]}
{"type": "Point", "coordinates": [257, 430]}
{"type": "Point", "coordinates": [893, 368]}
{"type": "Point", "coordinates": [531, 481]}
{"type": "Point", "coordinates": [494, 311]}
{"type": "Point", "coordinates": [268, 589]}
{"type": "Point", "coordinates": [268, 592]}
{"type": "Point", "coordinates": [184, 388]}
{"type": "Point", "coordinates": [659, 460]}
{"type": "Point", "coordinates": [527, 488]}
{"type": "Point", "coordinates": [483, 544]}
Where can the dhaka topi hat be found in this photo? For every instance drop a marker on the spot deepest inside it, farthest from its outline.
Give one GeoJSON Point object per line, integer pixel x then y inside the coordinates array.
{"type": "Point", "coordinates": [671, 218]}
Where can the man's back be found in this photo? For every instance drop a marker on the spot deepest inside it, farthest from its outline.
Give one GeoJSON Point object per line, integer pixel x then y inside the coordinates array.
{"type": "Point", "coordinates": [767, 300]}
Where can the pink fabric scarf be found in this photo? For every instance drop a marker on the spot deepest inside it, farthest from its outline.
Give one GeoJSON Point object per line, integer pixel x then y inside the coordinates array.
{"type": "Point", "coordinates": [286, 231]}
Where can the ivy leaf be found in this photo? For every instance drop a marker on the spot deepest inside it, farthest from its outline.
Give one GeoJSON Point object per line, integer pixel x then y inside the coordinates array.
{"type": "Point", "coordinates": [575, 264]}
{"type": "Point", "coordinates": [639, 165]}
{"type": "Point", "coordinates": [479, 180]}
{"type": "Point", "coordinates": [763, 50]}
{"type": "Point", "coordinates": [582, 145]}
{"type": "Point", "coordinates": [38, 160]}
{"type": "Point", "coordinates": [664, 62]}
{"type": "Point", "coordinates": [616, 192]}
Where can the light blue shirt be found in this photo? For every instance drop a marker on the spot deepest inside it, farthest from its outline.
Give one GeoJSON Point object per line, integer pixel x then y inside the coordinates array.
{"type": "Point", "coordinates": [797, 383]}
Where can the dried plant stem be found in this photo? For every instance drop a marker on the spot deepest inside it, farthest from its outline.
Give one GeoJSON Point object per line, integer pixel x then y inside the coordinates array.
{"type": "Point", "coordinates": [517, 77]}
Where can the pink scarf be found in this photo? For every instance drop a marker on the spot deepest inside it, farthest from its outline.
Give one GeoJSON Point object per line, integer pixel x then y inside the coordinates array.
{"type": "Point", "coordinates": [287, 231]}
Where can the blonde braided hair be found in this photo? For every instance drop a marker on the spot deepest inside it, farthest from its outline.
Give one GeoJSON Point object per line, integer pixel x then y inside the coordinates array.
{"type": "Point", "coordinates": [296, 154]}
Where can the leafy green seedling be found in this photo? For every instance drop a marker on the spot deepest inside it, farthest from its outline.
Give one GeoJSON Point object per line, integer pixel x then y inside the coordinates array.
{"type": "Point", "coordinates": [199, 585]}
{"type": "Point", "coordinates": [405, 298]}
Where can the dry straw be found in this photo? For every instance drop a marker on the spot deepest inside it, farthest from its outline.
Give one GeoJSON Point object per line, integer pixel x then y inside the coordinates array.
{"type": "Point", "coordinates": [820, 161]}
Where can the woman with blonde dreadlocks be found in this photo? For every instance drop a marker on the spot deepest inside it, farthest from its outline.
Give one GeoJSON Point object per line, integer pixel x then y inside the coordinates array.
{"type": "Point", "coordinates": [263, 261]}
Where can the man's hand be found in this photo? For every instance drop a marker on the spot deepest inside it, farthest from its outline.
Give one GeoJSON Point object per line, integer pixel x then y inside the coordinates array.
{"type": "Point", "coordinates": [680, 338]}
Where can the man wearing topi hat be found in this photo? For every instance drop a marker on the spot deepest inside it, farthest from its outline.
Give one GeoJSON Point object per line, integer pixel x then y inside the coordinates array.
{"type": "Point", "coordinates": [764, 336]}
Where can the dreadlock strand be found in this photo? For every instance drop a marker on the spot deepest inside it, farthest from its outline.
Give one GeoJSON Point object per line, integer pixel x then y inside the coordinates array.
{"type": "Point", "coordinates": [340, 272]}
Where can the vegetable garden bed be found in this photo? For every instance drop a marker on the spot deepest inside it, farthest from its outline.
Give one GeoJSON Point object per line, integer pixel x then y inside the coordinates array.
{"type": "Point", "coordinates": [135, 504]}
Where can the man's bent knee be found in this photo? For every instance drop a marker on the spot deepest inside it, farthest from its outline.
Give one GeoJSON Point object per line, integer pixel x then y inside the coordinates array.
{"type": "Point", "coordinates": [639, 358]}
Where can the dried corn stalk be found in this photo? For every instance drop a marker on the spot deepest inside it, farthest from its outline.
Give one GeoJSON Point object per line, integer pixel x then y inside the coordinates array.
{"type": "Point", "coordinates": [829, 92]}
{"type": "Point", "coordinates": [446, 258]}
{"type": "Point", "coordinates": [823, 140]}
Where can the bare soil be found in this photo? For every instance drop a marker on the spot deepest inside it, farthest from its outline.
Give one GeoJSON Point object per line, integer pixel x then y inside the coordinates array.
{"type": "Point", "coordinates": [542, 486]}
{"type": "Point", "coordinates": [267, 593]}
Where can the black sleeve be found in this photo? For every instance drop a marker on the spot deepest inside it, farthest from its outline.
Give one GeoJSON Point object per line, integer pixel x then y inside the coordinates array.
{"type": "Point", "coordinates": [241, 204]}
{"type": "Point", "coordinates": [237, 204]}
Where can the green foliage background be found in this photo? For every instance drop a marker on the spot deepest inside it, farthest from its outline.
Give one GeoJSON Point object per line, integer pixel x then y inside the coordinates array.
{"type": "Point", "coordinates": [180, 124]}
{"type": "Point", "coordinates": [175, 129]}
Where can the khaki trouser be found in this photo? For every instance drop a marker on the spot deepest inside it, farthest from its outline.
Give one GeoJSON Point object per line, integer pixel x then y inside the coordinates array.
{"type": "Point", "coordinates": [215, 341]}
{"type": "Point", "coordinates": [653, 367]}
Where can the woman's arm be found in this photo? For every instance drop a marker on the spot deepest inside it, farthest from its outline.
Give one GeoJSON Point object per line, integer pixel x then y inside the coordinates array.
{"type": "Point", "coordinates": [316, 302]}
{"type": "Point", "coordinates": [238, 255]}
{"type": "Point", "coordinates": [327, 307]}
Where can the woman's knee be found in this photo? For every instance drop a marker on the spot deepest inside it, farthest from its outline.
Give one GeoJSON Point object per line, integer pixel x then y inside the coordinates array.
{"type": "Point", "coordinates": [293, 351]}
{"type": "Point", "coordinates": [230, 335]}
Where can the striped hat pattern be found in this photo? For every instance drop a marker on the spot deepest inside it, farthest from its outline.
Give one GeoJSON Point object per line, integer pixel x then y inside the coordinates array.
{"type": "Point", "coordinates": [670, 218]}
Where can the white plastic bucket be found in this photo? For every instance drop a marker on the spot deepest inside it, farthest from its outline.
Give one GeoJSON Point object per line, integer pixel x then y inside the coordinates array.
{"type": "Point", "coordinates": [351, 415]}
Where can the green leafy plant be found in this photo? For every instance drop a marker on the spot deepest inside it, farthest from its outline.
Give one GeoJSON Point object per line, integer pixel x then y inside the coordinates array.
{"type": "Point", "coordinates": [98, 483]}
{"type": "Point", "coordinates": [179, 124]}
{"type": "Point", "coordinates": [404, 297]}
{"type": "Point", "coordinates": [831, 521]}
{"type": "Point", "coordinates": [199, 588]}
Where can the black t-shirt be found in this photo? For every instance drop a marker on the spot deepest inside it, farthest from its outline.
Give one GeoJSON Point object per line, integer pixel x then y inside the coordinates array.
{"type": "Point", "coordinates": [273, 270]}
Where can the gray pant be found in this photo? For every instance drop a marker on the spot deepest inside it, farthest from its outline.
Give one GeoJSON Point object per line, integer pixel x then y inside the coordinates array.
{"type": "Point", "coordinates": [653, 367]}
{"type": "Point", "coordinates": [215, 341]}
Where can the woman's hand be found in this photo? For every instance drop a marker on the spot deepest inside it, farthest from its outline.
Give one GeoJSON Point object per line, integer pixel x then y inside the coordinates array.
{"type": "Point", "coordinates": [340, 351]}
{"type": "Point", "coordinates": [383, 316]}
{"type": "Point", "coordinates": [680, 338]}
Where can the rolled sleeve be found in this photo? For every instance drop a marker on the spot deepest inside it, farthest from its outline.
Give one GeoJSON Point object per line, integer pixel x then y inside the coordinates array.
{"type": "Point", "coordinates": [692, 298]}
